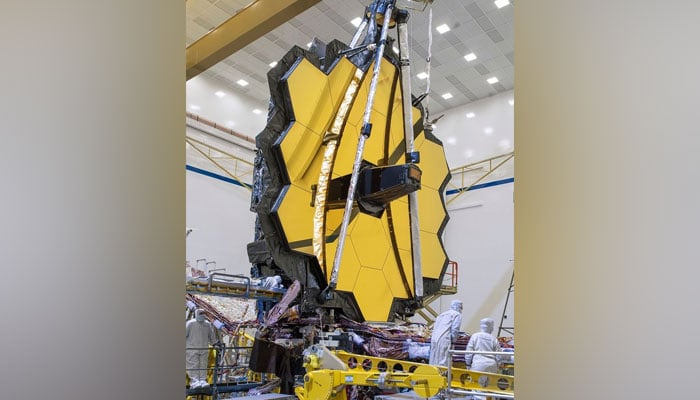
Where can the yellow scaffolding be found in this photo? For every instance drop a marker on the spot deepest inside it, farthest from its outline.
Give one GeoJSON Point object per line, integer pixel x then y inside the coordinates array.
{"type": "Point", "coordinates": [466, 176]}
{"type": "Point", "coordinates": [233, 166]}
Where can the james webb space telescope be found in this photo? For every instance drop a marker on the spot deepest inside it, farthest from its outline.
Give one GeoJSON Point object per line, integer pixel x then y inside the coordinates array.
{"type": "Point", "coordinates": [349, 179]}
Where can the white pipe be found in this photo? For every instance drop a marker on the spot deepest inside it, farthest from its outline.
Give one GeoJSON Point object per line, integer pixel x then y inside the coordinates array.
{"type": "Point", "coordinates": [481, 393]}
{"type": "Point", "coordinates": [359, 31]}
{"type": "Point", "coordinates": [491, 353]}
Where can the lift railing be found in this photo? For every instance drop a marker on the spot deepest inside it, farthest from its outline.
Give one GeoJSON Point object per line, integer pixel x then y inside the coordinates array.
{"type": "Point", "coordinates": [228, 374]}
{"type": "Point", "coordinates": [503, 383]}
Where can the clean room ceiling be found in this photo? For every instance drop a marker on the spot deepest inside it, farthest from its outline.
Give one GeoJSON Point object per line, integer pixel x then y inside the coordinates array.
{"type": "Point", "coordinates": [477, 27]}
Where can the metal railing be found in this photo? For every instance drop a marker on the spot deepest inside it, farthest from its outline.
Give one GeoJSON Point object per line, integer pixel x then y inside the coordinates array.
{"type": "Point", "coordinates": [223, 376]}
{"type": "Point", "coordinates": [448, 287]}
{"type": "Point", "coordinates": [450, 390]}
{"type": "Point", "coordinates": [451, 274]}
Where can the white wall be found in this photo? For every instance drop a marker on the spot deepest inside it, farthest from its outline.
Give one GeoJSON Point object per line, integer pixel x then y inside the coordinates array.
{"type": "Point", "coordinates": [479, 235]}
{"type": "Point", "coordinates": [218, 213]}
{"type": "Point", "coordinates": [488, 133]}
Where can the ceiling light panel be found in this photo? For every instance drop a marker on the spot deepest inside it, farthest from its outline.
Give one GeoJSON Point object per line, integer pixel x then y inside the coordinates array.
{"type": "Point", "coordinates": [470, 57]}
{"type": "Point", "coordinates": [356, 22]}
{"type": "Point", "coordinates": [442, 28]}
{"type": "Point", "coordinates": [501, 3]}
{"type": "Point", "coordinates": [447, 96]}
{"type": "Point", "coordinates": [422, 75]}
{"type": "Point", "coordinates": [492, 80]}
{"type": "Point", "coordinates": [242, 82]}
{"type": "Point", "coordinates": [220, 94]}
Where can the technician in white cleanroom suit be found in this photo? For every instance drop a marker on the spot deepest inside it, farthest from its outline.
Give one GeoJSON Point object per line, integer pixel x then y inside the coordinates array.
{"type": "Point", "coordinates": [445, 333]}
{"type": "Point", "coordinates": [199, 334]}
{"type": "Point", "coordinates": [483, 341]}
{"type": "Point", "coordinates": [272, 282]}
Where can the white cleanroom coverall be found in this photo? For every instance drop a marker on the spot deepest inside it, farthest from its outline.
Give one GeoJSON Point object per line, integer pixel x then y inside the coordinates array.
{"type": "Point", "coordinates": [199, 334]}
{"type": "Point", "coordinates": [445, 333]}
{"type": "Point", "coordinates": [483, 341]}
{"type": "Point", "coordinates": [272, 282]}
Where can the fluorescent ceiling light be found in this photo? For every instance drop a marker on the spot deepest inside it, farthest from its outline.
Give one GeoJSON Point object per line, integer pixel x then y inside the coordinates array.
{"type": "Point", "coordinates": [470, 115]}
{"type": "Point", "coordinates": [308, 45]}
{"type": "Point", "coordinates": [273, 64]}
{"type": "Point", "coordinates": [492, 80]}
{"type": "Point", "coordinates": [488, 130]}
{"type": "Point", "coordinates": [442, 28]}
{"type": "Point", "coordinates": [194, 107]}
{"type": "Point", "coordinates": [356, 22]}
{"type": "Point", "coordinates": [396, 49]}
{"type": "Point", "coordinates": [257, 111]}
{"type": "Point", "coordinates": [470, 57]}
{"type": "Point", "coordinates": [501, 3]}
{"type": "Point", "coordinates": [220, 94]}
{"type": "Point", "coordinates": [422, 75]}
{"type": "Point", "coordinates": [242, 82]}
{"type": "Point", "coordinates": [447, 96]}
{"type": "Point", "coordinates": [511, 102]}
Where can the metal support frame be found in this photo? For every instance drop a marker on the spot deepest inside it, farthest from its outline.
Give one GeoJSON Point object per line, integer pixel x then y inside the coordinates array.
{"type": "Point", "coordinates": [509, 329]}
{"type": "Point", "coordinates": [247, 25]}
{"type": "Point", "coordinates": [486, 165]}
{"type": "Point", "coordinates": [321, 382]}
{"type": "Point", "coordinates": [231, 288]}
{"type": "Point", "coordinates": [366, 130]}
{"type": "Point", "coordinates": [404, 61]}
{"type": "Point", "coordinates": [216, 386]}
